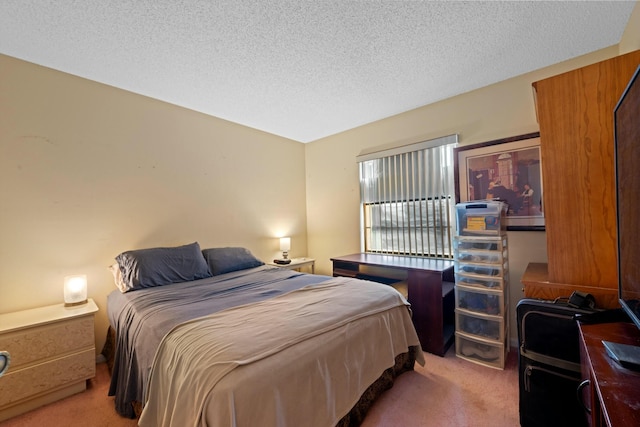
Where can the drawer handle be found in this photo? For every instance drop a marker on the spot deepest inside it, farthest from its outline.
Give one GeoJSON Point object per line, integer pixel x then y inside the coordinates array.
{"type": "Point", "coordinates": [582, 385]}
{"type": "Point", "coordinates": [4, 362]}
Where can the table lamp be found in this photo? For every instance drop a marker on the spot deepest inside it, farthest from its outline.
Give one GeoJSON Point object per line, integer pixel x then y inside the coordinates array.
{"type": "Point", "coordinates": [75, 290]}
{"type": "Point", "coordinates": [285, 246]}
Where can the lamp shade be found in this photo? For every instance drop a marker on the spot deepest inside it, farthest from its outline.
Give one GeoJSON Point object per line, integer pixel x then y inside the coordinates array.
{"type": "Point", "coordinates": [75, 289]}
{"type": "Point", "coordinates": [285, 243]}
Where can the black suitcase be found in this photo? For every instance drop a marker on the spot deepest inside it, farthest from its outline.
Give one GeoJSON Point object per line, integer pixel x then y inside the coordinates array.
{"type": "Point", "coordinates": [549, 364]}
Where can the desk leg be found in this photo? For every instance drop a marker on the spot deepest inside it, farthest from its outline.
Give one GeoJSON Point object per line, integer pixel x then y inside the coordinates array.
{"type": "Point", "coordinates": [425, 297]}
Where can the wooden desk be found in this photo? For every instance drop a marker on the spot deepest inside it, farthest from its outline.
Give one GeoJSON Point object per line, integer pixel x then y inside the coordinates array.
{"type": "Point", "coordinates": [613, 392]}
{"type": "Point", "coordinates": [429, 283]}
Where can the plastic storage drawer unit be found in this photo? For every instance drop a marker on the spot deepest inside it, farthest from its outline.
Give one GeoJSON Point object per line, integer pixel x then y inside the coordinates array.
{"type": "Point", "coordinates": [481, 269]}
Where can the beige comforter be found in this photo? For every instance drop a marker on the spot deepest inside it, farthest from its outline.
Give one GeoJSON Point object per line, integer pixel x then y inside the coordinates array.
{"type": "Point", "coordinates": [303, 358]}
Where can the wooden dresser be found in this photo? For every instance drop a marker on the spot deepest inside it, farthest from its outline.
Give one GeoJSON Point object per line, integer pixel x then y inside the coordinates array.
{"type": "Point", "coordinates": [427, 283]}
{"type": "Point", "coordinates": [575, 113]}
{"type": "Point", "coordinates": [52, 351]}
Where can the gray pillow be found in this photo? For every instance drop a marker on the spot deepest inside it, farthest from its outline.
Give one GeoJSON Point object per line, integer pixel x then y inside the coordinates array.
{"type": "Point", "coordinates": [226, 260]}
{"type": "Point", "coordinates": [145, 268]}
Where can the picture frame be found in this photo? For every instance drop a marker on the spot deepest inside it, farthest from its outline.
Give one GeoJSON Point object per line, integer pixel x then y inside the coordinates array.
{"type": "Point", "coordinates": [509, 170]}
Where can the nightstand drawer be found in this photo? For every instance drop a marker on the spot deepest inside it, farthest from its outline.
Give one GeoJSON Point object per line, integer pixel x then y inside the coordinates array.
{"type": "Point", "coordinates": [19, 384]}
{"type": "Point", "coordinates": [42, 342]}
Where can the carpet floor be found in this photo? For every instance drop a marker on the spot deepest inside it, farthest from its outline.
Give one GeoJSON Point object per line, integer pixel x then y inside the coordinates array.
{"type": "Point", "coordinates": [447, 391]}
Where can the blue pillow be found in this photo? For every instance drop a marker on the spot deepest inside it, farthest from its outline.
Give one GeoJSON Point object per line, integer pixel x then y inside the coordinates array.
{"type": "Point", "coordinates": [146, 268]}
{"type": "Point", "coordinates": [226, 260]}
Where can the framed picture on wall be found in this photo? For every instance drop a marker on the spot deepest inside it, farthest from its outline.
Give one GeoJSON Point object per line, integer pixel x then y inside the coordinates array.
{"type": "Point", "coordinates": [508, 170]}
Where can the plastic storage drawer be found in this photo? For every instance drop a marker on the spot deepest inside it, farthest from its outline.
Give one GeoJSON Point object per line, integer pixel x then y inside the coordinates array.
{"type": "Point", "coordinates": [463, 243]}
{"type": "Point", "coordinates": [480, 301]}
{"type": "Point", "coordinates": [488, 257]}
{"type": "Point", "coordinates": [479, 269]}
{"type": "Point", "coordinates": [480, 351]}
{"type": "Point", "coordinates": [480, 243]}
{"type": "Point", "coordinates": [481, 282]}
{"type": "Point", "coordinates": [484, 326]}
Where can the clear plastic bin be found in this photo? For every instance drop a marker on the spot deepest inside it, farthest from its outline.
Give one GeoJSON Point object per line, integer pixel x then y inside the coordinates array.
{"type": "Point", "coordinates": [482, 218]}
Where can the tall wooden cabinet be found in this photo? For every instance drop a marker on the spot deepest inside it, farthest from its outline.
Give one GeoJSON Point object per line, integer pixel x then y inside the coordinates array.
{"type": "Point", "coordinates": [575, 113]}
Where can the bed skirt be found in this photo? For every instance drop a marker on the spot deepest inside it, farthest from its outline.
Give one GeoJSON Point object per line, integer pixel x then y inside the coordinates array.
{"type": "Point", "coordinates": [403, 362]}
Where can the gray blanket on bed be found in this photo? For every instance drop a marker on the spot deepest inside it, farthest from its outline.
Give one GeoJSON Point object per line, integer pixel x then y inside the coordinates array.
{"type": "Point", "coordinates": [300, 359]}
{"type": "Point", "coordinates": [143, 317]}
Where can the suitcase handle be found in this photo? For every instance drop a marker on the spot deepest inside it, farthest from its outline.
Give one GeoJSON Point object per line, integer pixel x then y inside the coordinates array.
{"type": "Point", "coordinates": [550, 360]}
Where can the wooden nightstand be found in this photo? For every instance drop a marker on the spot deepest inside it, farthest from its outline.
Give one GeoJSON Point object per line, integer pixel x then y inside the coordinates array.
{"type": "Point", "coordinates": [52, 352]}
{"type": "Point", "coordinates": [297, 263]}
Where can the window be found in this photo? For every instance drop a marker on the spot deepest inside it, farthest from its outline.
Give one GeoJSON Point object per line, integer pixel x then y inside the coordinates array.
{"type": "Point", "coordinates": [407, 199]}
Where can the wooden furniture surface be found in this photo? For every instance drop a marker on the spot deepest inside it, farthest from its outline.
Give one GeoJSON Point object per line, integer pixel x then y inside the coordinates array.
{"type": "Point", "coordinates": [536, 284]}
{"type": "Point", "coordinates": [613, 392]}
{"type": "Point", "coordinates": [429, 284]}
{"type": "Point", "coordinates": [52, 351]}
{"type": "Point", "coordinates": [575, 113]}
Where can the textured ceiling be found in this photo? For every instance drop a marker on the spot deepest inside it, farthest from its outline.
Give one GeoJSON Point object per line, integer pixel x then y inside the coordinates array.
{"type": "Point", "coordinates": [304, 69]}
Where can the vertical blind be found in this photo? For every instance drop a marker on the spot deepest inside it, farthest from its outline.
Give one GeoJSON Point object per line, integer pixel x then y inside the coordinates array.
{"type": "Point", "coordinates": [407, 199]}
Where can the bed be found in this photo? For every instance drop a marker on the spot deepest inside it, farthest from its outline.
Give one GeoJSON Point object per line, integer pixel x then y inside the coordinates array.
{"type": "Point", "coordinates": [216, 338]}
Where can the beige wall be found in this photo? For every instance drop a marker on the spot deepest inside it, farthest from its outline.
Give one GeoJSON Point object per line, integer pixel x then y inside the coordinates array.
{"type": "Point", "coordinates": [497, 111]}
{"type": "Point", "coordinates": [630, 40]}
{"type": "Point", "coordinates": [501, 110]}
{"type": "Point", "coordinates": [88, 171]}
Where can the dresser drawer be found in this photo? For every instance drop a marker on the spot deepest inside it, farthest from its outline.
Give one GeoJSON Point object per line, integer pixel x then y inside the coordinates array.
{"type": "Point", "coordinates": [28, 346]}
{"type": "Point", "coordinates": [20, 384]}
